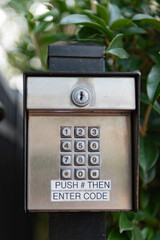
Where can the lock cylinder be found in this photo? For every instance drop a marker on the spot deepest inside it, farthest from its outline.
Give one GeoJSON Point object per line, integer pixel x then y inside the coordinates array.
{"type": "Point", "coordinates": [80, 96]}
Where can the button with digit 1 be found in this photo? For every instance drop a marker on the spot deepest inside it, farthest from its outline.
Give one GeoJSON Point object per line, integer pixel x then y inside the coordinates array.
{"type": "Point", "coordinates": [66, 132]}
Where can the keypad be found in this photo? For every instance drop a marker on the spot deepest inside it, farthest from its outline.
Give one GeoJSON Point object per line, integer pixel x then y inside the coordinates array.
{"type": "Point", "coordinates": [93, 132]}
{"type": "Point", "coordinates": [94, 160]}
{"type": "Point", "coordinates": [93, 146]}
{"type": "Point", "coordinates": [80, 152]}
{"type": "Point", "coordinates": [66, 174]}
{"type": "Point", "coordinates": [80, 174]}
{"type": "Point", "coordinates": [93, 173]}
{"type": "Point", "coordinates": [79, 160]}
{"type": "Point", "coordinates": [66, 132]}
{"type": "Point", "coordinates": [66, 160]}
{"type": "Point", "coordinates": [79, 132]}
{"type": "Point", "coordinates": [80, 146]}
{"type": "Point", "coordinates": [66, 146]}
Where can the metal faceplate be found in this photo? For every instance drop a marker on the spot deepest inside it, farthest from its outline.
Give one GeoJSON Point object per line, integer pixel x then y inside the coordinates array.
{"type": "Point", "coordinates": [105, 92]}
{"type": "Point", "coordinates": [79, 147]}
{"type": "Point", "coordinates": [45, 165]}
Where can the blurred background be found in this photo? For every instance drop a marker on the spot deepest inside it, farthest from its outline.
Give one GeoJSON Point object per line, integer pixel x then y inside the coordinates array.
{"type": "Point", "coordinates": [27, 27]}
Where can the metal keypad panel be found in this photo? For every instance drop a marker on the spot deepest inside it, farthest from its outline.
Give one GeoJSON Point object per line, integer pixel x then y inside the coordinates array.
{"type": "Point", "coordinates": [47, 136]}
{"type": "Point", "coordinates": [82, 147]}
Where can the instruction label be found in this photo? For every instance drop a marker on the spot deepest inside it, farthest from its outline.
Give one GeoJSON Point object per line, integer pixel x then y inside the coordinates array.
{"type": "Point", "coordinates": [98, 190]}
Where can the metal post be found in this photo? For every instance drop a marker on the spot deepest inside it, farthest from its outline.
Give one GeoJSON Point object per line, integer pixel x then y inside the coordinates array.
{"type": "Point", "coordinates": [76, 58]}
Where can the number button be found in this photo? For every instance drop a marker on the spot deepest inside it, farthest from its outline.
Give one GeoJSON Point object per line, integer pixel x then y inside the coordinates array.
{"type": "Point", "coordinates": [79, 132]}
{"type": "Point", "coordinates": [80, 160]}
{"type": "Point", "coordinates": [80, 174]}
{"type": "Point", "coordinates": [66, 146]}
{"type": "Point", "coordinates": [94, 160]}
{"type": "Point", "coordinates": [93, 132]}
{"type": "Point", "coordinates": [93, 174]}
{"type": "Point", "coordinates": [66, 160]}
{"type": "Point", "coordinates": [66, 174]}
{"type": "Point", "coordinates": [66, 132]}
{"type": "Point", "coordinates": [93, 146]}
{"type": "Point", "coordinates": [80, 146]}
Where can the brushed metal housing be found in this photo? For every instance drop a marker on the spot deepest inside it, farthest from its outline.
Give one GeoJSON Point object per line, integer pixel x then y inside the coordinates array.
{"type": "Point", "coordinates": [113, 108]}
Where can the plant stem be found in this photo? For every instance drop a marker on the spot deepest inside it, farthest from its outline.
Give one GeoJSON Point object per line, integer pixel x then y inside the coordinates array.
{"type": "Point", "coordinates": [38, 52]}
{"type": "Point", "coordinates": [143, 129]}
{"type": "Point", "coordinates": [93, 6]}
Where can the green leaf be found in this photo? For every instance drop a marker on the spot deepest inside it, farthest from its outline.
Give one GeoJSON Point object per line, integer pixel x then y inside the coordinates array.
{"type": "Point", "coordinates": [41, 27]}
{"type": "Point", "coordinates": [93, 17]}
{"type": "Point", "coordinates": [122, 23]}
{"type": "Point", "coordinates": [141, 215]}
{"type": "Point", "coordinates": [156, 107]}
{"type": "Point", "coordinates": [119, 52]}
{"type": "Point", "coordinates": [124, 223]}
{"type": "Point", "coordinates": [133, 63]}
{"type": "Point", "coordinates": [136, 234]}
{"type": "Point", "coordinates": [86, 32]}
{"type": "Point", "coordinates": [96, 26]}
{"type": "Point", "coordinates": [153, 83]}
{"type": "Point", "coordinates": [148, 153]}
{"type": "Point", "coordinates": [154, 54]}
{"type": "Point", "coordinates": [86, 21]}
{"type": "Point", "coordinates": [134, 30]}
{"type": "Point", "coordinates": [100, 22]}
{"type": "Point", "coordinates": [89, 40]}
{"type": "Point", "coordinates": [141, 17]}
{"type": "Point", "coordinates": [31, 24]}
{"type": "Point", "coordinates": [45, 15]}
{"type": "Point", "coordinates": [116, 42]}
{"type": "Point", "coordinates": [148, 176]}
{"type": "Point", "coordinates": [103, 13]}
{"type": "Point", "coordinates": [75, 19]}
{"type": "Point", "coordinates": [148, 233]}
{"type": "Point", "coordinates": [145, 99]}
{"type": "Point", "coordinates": [115, 235]}
{"type": "Point", "coordinates": [51, 38]}
{"type": "Point", "coordinates": [153, 22]}
{"type": "Point", "coordinates": [19, 6]}
{"type": "Point", "coordinates": [115, 13]}
{"type": "Point", "coordinates": [116, 47]}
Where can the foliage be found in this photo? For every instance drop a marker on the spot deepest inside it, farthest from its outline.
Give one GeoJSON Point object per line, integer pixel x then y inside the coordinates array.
{"type": "Point", "coordinates": [130, 31]}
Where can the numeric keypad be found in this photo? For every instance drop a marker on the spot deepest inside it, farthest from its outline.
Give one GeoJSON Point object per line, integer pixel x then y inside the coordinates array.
{"type": "Point", "coordinates": [80, 152]}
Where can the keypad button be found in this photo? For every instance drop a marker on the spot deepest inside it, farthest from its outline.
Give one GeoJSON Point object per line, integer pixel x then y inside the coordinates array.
{"type": "Point", "coordinates": [66, 132]}
{"type": "Point", "coordinates": [66, 160]}
{"type": "Point", "coordinates": [80, 174]}
{"type": "Point", "coordinates": [93, 174]}
{"type": "Point", "coordinates": [80, 132]}
{"type": "Point", "coordinates": [93, 146]}
{"type": "Point", "coordinates": [80, 160]}
{"type": "Point", "coordinates": [66, 174]}
{"type": "Point", "coordinates": [94, 160]}
{"type": "Point", "coordinates": [80, 146]}
{"type": "Point", "coordinates": [66, 146]}
{"type": "Point", "coordinates": [93, 132]}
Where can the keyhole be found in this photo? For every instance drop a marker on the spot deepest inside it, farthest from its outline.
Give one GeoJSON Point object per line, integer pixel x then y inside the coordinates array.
{"type": "Point", "coordinates": [81, 95]}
